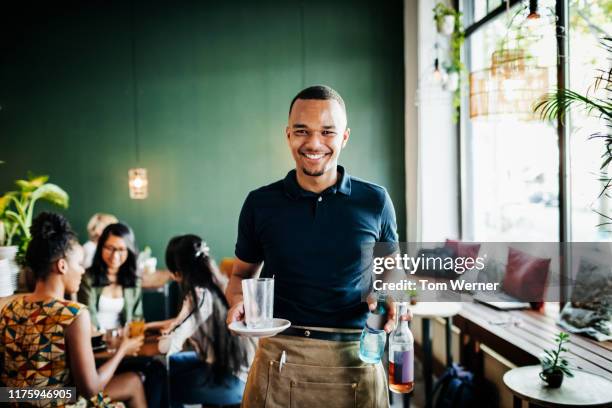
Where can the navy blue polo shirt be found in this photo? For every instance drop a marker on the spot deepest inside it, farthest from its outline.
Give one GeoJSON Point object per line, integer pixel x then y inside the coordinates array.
{"type": "Point", "coordinates": [312, 244]}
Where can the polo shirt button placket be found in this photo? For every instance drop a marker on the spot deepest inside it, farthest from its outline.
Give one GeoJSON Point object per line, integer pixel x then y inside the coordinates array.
{"type": "Point", "coordinates": [316, 204]}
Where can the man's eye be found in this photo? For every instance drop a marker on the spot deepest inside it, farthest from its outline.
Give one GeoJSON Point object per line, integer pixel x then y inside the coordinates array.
{"type": "Point", "coordinates": [301, 132]}
{"type": "Point", "coordinates": [328, 133]}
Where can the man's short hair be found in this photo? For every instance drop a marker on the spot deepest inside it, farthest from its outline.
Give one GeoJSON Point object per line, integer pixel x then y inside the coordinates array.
{"type": "Point", "coordinates": [320, 92]}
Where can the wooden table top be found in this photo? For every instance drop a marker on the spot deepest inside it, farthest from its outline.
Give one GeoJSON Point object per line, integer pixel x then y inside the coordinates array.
{"type": "Point", "coordinates": [582, 390]}
{"type": "Point", "coordinates": [148, 349]}
{"type": "Point", "coordinates": [521, 335]}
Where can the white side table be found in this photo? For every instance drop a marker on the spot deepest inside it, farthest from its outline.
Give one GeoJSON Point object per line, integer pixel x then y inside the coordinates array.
{"type": "Point", "coordinates": [582, 390]}
{"type": "Point", "coordinates": [427, 311]}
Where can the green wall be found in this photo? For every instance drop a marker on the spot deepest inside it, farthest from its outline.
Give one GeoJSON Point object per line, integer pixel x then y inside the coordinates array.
{"type": "Point", "coordinates": [213, 82]}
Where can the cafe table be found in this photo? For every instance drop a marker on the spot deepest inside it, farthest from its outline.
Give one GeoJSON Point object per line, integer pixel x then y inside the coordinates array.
{"type": "Point", "coordinates": [427, 311]}
{"type": "Point", "coordinates": [584, 389]}
{"type": "Point", "coordinates": [149, 349]}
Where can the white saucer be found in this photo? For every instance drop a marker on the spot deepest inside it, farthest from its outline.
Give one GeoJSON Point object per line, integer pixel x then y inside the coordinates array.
{"type": "Point", "coordinates": [278, 325]}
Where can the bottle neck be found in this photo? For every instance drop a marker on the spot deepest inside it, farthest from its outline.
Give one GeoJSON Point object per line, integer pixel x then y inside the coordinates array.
{"type": "Point", "coordinates": [402, 313]}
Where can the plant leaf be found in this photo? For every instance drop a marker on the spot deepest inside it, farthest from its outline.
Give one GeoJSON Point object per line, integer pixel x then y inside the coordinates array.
{"type": "Point", "coordinates": [5, 200]}
{"type": "Point", "coordinates": [51, 193]}
{"type": "Point", "coordinates": [38, 181]}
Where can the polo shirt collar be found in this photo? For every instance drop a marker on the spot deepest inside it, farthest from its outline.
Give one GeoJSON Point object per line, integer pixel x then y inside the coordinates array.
{"type": "Point", "coordinates": [293, 189]}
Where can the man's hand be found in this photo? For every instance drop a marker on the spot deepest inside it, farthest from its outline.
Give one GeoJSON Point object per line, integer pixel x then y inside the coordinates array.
{"type": "Point", "coordinates": [236, 313]}
{"type": "Point", "coordinates": [390, 306]}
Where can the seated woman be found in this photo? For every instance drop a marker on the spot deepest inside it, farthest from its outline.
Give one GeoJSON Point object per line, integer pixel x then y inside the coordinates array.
{"type": "Point", "coordinates": [216, 372]}
{"type": "Point", "coordinates": [95, 226]}
{"type": "Point", "coordinates": [110, 288]}
{"type": "Point", "coordinates": [52, 336]}
{"type": "Point", "coordinates": [113, 293]}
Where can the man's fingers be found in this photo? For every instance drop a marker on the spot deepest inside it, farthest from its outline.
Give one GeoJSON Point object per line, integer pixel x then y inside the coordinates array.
{"type": "Point", "coordinates": [236, 313]}
{"type": "Point", "coordinates": [391, 308]}
{"type": "Point", "coordinates": [389, 326]}
{"type": "Point", "coordinates": [371, 300]}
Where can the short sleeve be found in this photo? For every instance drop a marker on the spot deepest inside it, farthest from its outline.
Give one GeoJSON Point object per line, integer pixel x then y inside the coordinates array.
{"type": "Point", "coordinates": [388, 223]}
{"type": "Point", "coordinates": [248, 245]}
{"type": "Point", "coordinates": [69, 312]}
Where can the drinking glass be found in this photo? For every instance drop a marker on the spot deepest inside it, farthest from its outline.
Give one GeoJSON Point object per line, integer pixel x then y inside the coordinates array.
{"type": "Point", "coordinates": [136, 327]}
{"type": "Point", "coordinates": [258, 297]}
{"type": "Point", "coordinates": [112, 338]}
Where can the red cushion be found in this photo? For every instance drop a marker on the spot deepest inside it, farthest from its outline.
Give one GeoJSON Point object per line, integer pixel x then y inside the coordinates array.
{"type": "Point", "coordinates": [463, 249]}
{"type": "Point", "coordinates": [526, 276]}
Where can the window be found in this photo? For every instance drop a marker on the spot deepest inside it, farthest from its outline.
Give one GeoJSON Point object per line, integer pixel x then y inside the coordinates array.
{"type": "Point", "coordinates": [589, 22]}
{"type": "Point", "coordinates": [510, 166]}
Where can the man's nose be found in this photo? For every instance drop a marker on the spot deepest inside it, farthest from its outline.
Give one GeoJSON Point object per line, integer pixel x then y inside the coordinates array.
{"type": "Point", "coordinates": [315, 140]}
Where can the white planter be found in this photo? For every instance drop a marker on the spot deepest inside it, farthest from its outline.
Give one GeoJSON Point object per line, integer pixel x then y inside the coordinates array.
{"type": "Point", "coordinates": [446, 25]}
{"type": "Point", "coordinates": [9, 270]}
{"type": "Point", "coordinates": [452, 82]}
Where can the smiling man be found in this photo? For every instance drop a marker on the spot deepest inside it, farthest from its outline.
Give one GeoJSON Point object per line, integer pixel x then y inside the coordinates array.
{"type": "Point", "coordinates": [308, 230]}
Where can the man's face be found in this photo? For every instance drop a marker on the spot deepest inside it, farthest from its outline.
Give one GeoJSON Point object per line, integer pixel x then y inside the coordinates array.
{"type": "Point", "coordinates": [316, 133]}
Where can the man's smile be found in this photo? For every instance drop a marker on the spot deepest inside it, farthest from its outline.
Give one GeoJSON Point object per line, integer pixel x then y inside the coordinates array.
{"type": "Point", "coordinates": [314, 157]}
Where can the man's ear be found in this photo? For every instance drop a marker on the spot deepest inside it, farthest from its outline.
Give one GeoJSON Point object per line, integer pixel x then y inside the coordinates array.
{"type": "Point", "coordinates": [345, 137]}
{"type": "Point", "coordinates": [287, 132]}
{"type": "Point", "coordinates": [61, 265]}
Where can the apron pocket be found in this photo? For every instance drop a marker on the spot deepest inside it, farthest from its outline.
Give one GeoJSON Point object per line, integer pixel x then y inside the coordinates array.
{"type": "Point", "coordinates": [310, 394]}
{"type": "Point", "coordinates": [298, 385]}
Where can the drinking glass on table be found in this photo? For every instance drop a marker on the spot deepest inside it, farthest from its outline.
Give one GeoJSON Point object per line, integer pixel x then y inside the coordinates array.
{"type": "Point", "coordinates": [258, 297]}
{"type": "Point", "coordinates": [112, 338]}
{"type": "Point", "coordinates": [136, 327]}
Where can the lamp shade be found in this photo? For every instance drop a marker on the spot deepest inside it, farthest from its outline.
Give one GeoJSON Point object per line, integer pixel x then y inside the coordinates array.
{"type": "Point", "coordinates": [510, 86]}
{"type": "Point", "coordinates": [139, 183]}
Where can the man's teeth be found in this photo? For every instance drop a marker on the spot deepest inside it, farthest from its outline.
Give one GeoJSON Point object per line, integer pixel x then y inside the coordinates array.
{"type": "Point", "coordinates": [314, 156]}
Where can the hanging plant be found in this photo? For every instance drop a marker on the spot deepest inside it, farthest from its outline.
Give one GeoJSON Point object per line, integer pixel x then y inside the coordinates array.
{"type": "Point", "coordinates": [445, 17]}
{"type": "Point", "coordinates": [454, 68]}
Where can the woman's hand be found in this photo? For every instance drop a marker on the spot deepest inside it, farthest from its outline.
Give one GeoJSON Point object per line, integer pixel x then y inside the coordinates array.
{"type": "Point", "coordinates": [161, 326]}
{"type": "Point", "coordinates": [131, 345]}
{"type": "Point", "coordinates": [168, 328]}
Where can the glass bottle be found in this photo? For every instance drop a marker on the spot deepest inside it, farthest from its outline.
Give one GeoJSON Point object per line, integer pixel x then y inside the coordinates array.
{"type": "Point", "coordinates": [401, 354]}
{"type": "Point", "coordinates": [373, 336]}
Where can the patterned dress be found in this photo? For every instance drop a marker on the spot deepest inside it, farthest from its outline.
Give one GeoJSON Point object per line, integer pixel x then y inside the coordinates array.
{"type": "Point", "coordinates": [32, 346]}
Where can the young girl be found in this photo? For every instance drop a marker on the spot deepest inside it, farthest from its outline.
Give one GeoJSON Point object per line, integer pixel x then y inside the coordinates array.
{"type": "Point", "coordinates": [215, 373]}
{"type": "Point", "coordinates": [52, 336]}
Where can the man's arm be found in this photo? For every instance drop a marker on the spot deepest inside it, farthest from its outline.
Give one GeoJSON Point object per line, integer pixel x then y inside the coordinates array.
{"type": "Point", "coordinates": [233, 293]}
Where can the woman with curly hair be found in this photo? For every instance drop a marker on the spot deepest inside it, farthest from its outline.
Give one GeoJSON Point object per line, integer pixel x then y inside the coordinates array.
{"type": "Point", "coordinates": [45, 341]}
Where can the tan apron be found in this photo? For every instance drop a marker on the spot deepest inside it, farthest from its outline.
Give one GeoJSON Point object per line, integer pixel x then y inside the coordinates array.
{"type": "Point", "coordinates": [316, 373]}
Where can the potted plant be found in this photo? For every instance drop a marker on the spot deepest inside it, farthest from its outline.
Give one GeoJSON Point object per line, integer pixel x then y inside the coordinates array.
{"type": "Point", "coordinates": [554, 366]}
{"type": "Point", "coordinates": [17, 211]}
{"type": "Point", "coordinates": [413, 296]}
{"type": "Point", "coordinates": [445, 17]}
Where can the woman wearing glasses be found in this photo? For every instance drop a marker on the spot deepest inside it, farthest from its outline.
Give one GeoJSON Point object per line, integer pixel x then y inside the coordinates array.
{"type": "Point", "coordinates": [113, 293]}
{"type": "Point", "coordinates": [110, 288]}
